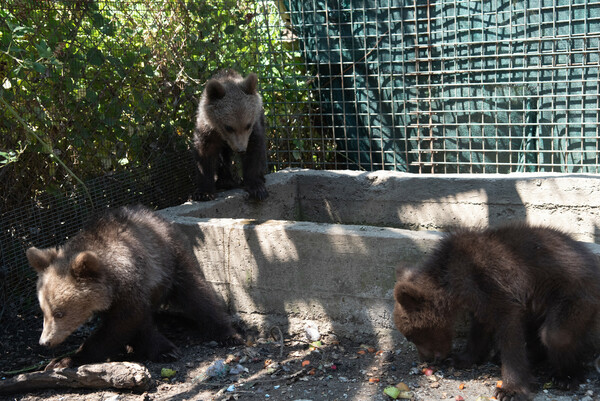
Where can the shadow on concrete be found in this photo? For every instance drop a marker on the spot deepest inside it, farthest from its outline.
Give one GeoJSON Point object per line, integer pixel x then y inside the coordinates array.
{"type": "Point", "coordinates": [299, 276]}
{"type": "Point", "coordinates": [335, 271]}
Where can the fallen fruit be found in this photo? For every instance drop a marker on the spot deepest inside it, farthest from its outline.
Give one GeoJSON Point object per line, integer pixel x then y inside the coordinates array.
{"type": "Point", "coordinates": [374, 380]}
{"type": "Point", "coordinates": [167, 373]}
{"type": "Point", "coordinates": [393, 392]}
{"type": "Point", "coordinates": [402, 386]}
{"type": "Point", "coordinates": [459, 398]}
{"type": "Point", "coordinates": [427, 371]}
{"type": "Point", "coordinates": [499, 383]}
{"type": "Point", "coordinates": [305, 363]}
{"type": "Point", "coordinates": [461, 386]}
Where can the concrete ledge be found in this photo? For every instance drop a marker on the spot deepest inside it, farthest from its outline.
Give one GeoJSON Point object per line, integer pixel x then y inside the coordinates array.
{"type": "Point", "coordinates": [313, 250]}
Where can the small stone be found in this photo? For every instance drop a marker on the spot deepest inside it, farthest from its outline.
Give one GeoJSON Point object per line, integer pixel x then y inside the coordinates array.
{"type": "Point", "coordinates": [414, 371]}
{"type": "Point", "coordinates": [312, 331]}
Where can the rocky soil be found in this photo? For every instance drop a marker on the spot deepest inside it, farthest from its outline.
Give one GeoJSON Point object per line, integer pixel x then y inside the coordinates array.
{"type": "Point", "coordinates": [292, 369]}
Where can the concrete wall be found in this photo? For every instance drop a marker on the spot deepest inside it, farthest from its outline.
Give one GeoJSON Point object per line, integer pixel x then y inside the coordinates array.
{"type": "Point", "coordinates": [325, 245]}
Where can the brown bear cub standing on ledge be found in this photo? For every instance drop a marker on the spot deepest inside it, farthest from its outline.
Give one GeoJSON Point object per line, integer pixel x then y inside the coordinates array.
{"type": "Point", "coordinates": [230, 119]}
{"type": "Point", "coordinates": [123, 267]}
{"type": "Point", "coordinates": [528, 289]}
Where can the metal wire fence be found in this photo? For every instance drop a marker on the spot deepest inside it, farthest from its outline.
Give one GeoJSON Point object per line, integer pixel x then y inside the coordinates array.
{"type": "Point", "coordinates": [457, 85]}
{"type": "Point", "coordinates": [50, 220]}
{"type": "Point", "coordinates": [110, 88]}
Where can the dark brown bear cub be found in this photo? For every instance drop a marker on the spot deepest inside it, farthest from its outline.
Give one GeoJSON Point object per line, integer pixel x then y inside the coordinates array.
{"type": "Point", "coordinates": [230, 119]}
{"type": "Point", "coordinates": [529, 289]}
{"type": "Point", "coordinates": [123, 267]}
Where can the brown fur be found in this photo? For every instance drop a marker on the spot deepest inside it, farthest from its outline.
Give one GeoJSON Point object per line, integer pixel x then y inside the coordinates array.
{"type": "Point", "coordinates": [123, 267]}
{"type": "Point", "coordinates": [230, 119]}
{"type": "Point", "coordinates": [528, 289]}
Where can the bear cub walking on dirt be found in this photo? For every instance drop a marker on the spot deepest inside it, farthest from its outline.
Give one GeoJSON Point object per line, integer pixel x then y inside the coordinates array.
{"type": "Point", "coordinates": [529, 290]}
{"type": "Point", "coordinates": [230, 119]}
{"type": "Point", "coordinates": [123, 267]}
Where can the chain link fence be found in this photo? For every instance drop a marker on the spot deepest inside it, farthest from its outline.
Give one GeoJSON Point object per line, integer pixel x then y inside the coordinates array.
{"type": "Point", "coordinates": [105, 92]}
{"type": "Point", "coordinates": [97, 106]}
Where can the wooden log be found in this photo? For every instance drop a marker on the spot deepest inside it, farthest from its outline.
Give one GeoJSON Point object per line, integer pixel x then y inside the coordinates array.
{"type": "Point", "coordinates": [119, 375]}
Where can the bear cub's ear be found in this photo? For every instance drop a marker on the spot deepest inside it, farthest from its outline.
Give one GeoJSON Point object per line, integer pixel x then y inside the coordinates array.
{"type": "Point", "coordinates": [409, 296]}
{"type": "Point", "coordinates": [214, 90]}
{"type": "Point", "coordinates": [40, 259]}
{"type": "Point", "coordinates": [86, 265]}
{"type": "Point", "coordinates": [249, 84]}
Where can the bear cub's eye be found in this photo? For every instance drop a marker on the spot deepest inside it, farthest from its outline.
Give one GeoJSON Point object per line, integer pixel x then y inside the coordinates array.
{"type": "Point", "coordinates": [58, 314]}
{"type": "Point", "coordinates": [248, 126]}
{"type": "Point", "coordinates": [228, 128]}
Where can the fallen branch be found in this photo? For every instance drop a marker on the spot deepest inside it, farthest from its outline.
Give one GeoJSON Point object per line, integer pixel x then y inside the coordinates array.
{"type": "Point", "coordinates": [120, 375]}
{"type": "Point", "coordinates": [280, 339]}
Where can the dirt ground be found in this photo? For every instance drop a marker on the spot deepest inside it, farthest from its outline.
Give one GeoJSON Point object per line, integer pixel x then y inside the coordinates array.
{"type": "Point", "coordinates": [337, 369]}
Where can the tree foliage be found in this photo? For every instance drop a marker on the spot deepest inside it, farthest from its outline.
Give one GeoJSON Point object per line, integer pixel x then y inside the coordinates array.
{"type": "Point", "coordinates": [111, 85]}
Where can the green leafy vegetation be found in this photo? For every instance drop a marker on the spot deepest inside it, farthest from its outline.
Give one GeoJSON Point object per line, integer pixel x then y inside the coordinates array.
{"type": "Point", "coordinates": [112, 85]}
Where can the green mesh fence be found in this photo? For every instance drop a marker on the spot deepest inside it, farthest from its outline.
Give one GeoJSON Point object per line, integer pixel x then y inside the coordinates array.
{"type": "Point", "coordinates": [457, 86]}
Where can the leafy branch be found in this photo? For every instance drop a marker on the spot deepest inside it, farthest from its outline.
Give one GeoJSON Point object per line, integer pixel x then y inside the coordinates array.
{"type": "Point", "coordinates": [47, 149]}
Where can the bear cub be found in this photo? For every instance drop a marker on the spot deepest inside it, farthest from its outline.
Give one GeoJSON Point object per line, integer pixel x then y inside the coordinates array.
{"type": "Point", "coordinates": [123, 266]}
{"type": "Point", "coordinates": [532, 292]}
{"type": "Point", "coordinates": [230, 119]}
